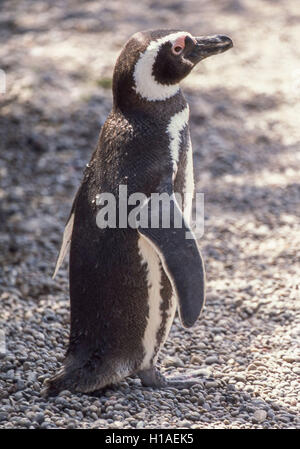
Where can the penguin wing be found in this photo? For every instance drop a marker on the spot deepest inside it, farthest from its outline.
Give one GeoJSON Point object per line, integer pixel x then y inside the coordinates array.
{"type": "Point", "coordinates": [181, 260]}
{"type": "Point", "coordinates": [67, 235]}
{"type": "Point", "coordinates": [65, 244]}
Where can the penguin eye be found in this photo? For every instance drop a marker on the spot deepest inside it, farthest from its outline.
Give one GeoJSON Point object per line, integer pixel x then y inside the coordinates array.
{"type": "Point", "coordinates": [177, 49]}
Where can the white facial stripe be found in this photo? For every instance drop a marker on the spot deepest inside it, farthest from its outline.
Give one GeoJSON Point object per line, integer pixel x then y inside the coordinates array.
{"type": "Point", "coordinates": [150, 257]}
{"type": "Point", "coordinates": [189, 183]}
{"type": "Point", "coordinates": [145, 83]}
{"type": "Point", "coordinates": [176, 125]}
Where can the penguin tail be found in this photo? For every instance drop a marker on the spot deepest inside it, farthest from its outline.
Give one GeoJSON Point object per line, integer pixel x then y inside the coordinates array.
{"type": "Point", "coordinates": [60, 381]}
{"type": "Point", "coordinates": [68, 377]}
{"type": "Point", "coordinates": [77, 377]}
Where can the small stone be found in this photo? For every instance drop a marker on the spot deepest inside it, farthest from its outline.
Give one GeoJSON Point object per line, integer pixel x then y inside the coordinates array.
{"type": "Point", "coordinates": [206, 406]}
{"type": "Point", "coordinates": [291, 358]}
{"type": "Point", "coordinates": [117, 425]}
{"type": "Point", "coordinates": [39, 418]}
{"type": "Point", "coordinates": [24, 422]}
{"type": "Point", "coordinates": [251, 367]}
{"type": "Point", "coordinates": [185, 392]}
{"type": "Point", "coordinates": [201, 346]}
{"type": "Point", "coordinates": [240, 377]}
{"type": "Point", "coordinates": [193, 416]}
{"type": "Point", "coordinates": [116, 407]}
{"type": "Point", "coordinates": [18, 396]}
{"type": "Point", "coordinates": [3, 416]}
{"type": "Point", "coordinates": [205, 372]}
{"type": "Point", "coordinates": [64, 393]}
{"type": "Point", "coordinates": [10, 374]}
{"type": "Point", "coordinates": [211, 359]}
{"type": "Point", "coordinates": [184, 424]}
{"type": "Point", "coordinates": [259, 416]}
{"type": "Point", "coordinates": [196, 360]}
{"type": "Point", "coordinates": [200, 399]}
{"type": "Point", "coordinates": [99, 424]}
{"type": "Point", "coordinates": [285, 419]}
{"type": "Point", "coordinates": [211, 384]}
{"type": "Point", "coordinates": [173, 361]}
{"type": "Point", "coordinates": [20, 384]}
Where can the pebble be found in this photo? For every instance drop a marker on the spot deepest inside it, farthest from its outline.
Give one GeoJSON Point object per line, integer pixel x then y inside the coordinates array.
{"type": "Point", "coordinates": [259, 416]}
{"type": "Point", "coordinates": [184, 424]}
{"type": "Point", "coordinates": [3, 416]}
{"type": "Point", "coordinates": [24, 422]}
{"type": "Point", "coordinates": [196, 360]}
{"type": "Point", "coordinates": [18, 396]}
{"type": "Point", "coordinates": [211, 359]}
{"type": "Point", "coordinates": [291, 359]}
{"type": "Point", "coordinates": [201, 399]}
{"type": "Point", "coordinates": [39, 418]}
{"type": "Point", "coordinates": [211, 384]}
{"type": "Point", "coordinates": [26, 366]}
{"type": "Point", "coordinates": [173, 361]}
{"type": "Point", "coordinates": [99, 424]}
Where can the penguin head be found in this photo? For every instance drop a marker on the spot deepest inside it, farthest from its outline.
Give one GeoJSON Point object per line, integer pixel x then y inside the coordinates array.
{"type": "Point", "coordinates": [152, 63]}
{"type": "Point", "coordinates": [179, 52]}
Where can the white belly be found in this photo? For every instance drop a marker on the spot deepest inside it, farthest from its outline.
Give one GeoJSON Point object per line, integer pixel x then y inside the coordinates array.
{"type": "Point", "coordinates": [154, 319]}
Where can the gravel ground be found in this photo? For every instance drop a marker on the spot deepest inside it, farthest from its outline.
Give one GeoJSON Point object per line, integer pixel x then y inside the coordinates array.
{"type": "Point", "coordinates": [245, 130]}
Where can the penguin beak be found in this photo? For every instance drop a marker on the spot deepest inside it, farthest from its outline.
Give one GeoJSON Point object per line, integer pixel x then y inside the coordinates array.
{"type": "Point", "coordinates": [209, 45]}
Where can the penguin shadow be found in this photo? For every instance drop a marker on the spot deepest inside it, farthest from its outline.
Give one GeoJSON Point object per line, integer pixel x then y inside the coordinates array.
{"type": "Point", "coordinates": [209, 403]}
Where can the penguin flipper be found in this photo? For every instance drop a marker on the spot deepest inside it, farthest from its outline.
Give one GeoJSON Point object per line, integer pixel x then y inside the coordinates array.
{"type": "Point", "coordinates": [65, 244]}
{"type": "Point", "coordinates": [181, 260]}
{"type": "Point", "coordinates": [67, 235]}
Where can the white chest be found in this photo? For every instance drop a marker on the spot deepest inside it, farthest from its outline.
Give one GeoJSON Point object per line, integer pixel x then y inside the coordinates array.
{"type": "Point", "coordinates": [175, 127]}
{"type": "Point", "coordinates": [150, 258]}
{"type": "Point", "coordinates": [177, 123]}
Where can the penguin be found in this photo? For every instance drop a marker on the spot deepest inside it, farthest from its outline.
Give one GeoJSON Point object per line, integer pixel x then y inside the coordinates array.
{"type": "Point", "coordinates": [126, 283]}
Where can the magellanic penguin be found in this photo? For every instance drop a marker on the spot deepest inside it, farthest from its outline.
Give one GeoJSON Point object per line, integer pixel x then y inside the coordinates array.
{"type": "Point", "coordinates": [125, 282]}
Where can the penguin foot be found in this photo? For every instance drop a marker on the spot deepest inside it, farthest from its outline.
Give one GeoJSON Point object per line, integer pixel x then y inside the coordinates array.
{"type": "Point", "coordinates": [152, 377]}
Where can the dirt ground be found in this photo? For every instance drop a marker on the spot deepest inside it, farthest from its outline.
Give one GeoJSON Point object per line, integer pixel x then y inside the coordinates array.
{"type": "Point", "coordinates": [58, 58]}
